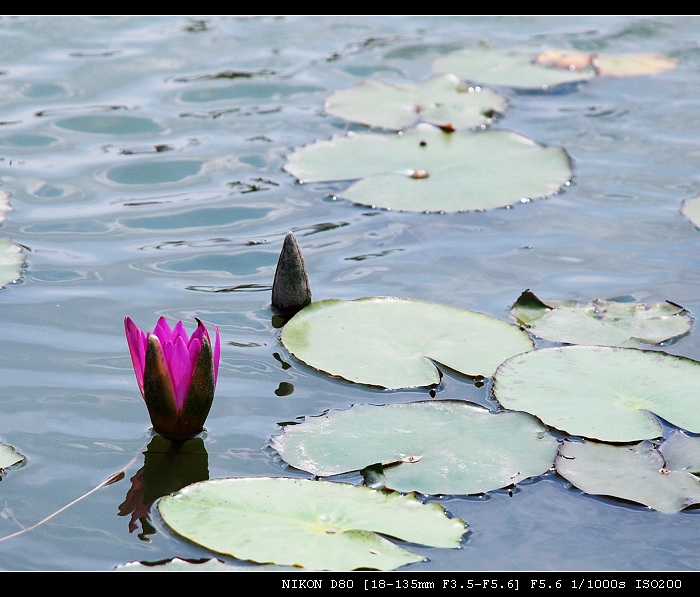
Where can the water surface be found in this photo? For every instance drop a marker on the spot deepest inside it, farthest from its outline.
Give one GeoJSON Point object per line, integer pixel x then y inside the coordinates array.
{"type": "Point", "coordinates": [144, 157]}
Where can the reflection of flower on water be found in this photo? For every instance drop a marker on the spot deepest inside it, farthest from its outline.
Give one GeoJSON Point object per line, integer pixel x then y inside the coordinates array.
{"type": "Point", "coordinates": [168, 466]}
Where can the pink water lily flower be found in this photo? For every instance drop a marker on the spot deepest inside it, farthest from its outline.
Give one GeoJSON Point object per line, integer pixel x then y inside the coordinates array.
{"type": "Point", "coordinates": [176, 374]}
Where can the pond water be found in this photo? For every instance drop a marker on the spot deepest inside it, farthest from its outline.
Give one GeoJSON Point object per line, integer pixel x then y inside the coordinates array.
{"type": "Point", "coordinates": [144, 155]}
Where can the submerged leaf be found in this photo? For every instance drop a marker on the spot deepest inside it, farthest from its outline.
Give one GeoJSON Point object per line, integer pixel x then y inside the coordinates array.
{"type": "Point", "coordinates": [394, 342]}
{"type": "Point", "coordinates": [441, 101]}
{"type": "Point", "coordinates": [311, 524]}
{"type": "Point", "coordinates": [432, 447]}
{"type": "Point", "coordinates": [637, 473]}
{"type": "Point", "coordinates": [609, 323]}
{"type": "Point", "coordinates": [601, 392]}
{"type": "Point", "coordinates": [427, 170]}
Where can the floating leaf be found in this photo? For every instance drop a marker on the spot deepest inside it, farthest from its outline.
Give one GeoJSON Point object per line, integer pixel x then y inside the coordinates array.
{"type": "Point", "coordinates": [609, 323]}
{"type": "Point", "coordinates": [441, 101]}
{"type": "Point", "coordinates": [312, 524]}
{"type": "Point", "coordinates": [9, 457]}
{"type": "Point", "coordinates": [4, 204]}
{"type": "Point", "coordinates": [682, 452]}
{"type": "Point", "coordinates": [608, 65]}
{"type": "Point", "coordinates": [206, 565]}
{"type": "Point", "coordinates": [601, 392]}
{"type": "Point", "coordinates": [691, 210]}
{"type": "Point", "coordinates": [428, 170]}
{"type": "Point", "coordinates": [636, 473]}
{"type": "Point", "coordinates": [632, 65]}
{"type": "Point", "coordinates": [392, 342]}
{"type": "Point", "coordinates": [432, 447]}
{"type": "Point", "coordinates": [512, 69]}
{"type": "Point", "coordinates": [11, 260]}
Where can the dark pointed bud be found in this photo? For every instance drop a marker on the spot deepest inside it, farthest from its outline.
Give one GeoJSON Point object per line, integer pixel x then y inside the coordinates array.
{"type": "Point", "coordinates": [291, 291]}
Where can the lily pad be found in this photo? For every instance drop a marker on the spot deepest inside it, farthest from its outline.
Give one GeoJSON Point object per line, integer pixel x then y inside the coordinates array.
{"type": "Point", "coordinates": [428, 170]}
{"type": "Point", "coordinates": [4, 204]}
{"type": "Point", "coordinates": [609, 323]}
{"type": "Point", "coordinates": [311, 524]}
{"type": "Point", "coordinates": [9, 457]}
{"type": "Point", "coordinates": [602, 392]}
{"type": "Point", "coordinates": [441, 100]}
{"type": "Point", "coordinates": [487, 66]}
{"type": "Point", "coordinates": [205, 565]}
{"type": "Point", "coordinates": [691, 210]}
{"type": "Point", "coordinates": [682, 452]}
{"type": "Point", "coordinates": [432, 447]}
{"type": "Point", "coordinates": [394, 342]}
{"type": "Point", "coordinates": [11, 261]}
{"type": "Point", "coordinates": [636, 473]}
{"type": "Point", "coordinates": [608, 65]}
{"type": "Point", "coordinates": [632, 65]}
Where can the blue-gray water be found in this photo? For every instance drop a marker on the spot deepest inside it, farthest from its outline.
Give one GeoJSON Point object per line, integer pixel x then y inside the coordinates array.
{"type": "Point", "coordinates": [143, 156]}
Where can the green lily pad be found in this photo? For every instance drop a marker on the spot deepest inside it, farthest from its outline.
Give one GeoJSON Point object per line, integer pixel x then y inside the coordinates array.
{"type": "Point", "coordinates": [368, 340]}
{"type": "Point", "coordinates": [11, 261]}
{"type": "Point", "coordinates": [206, 565]}
{"type": "Point", "coordinates": [432, 447]}
{"type": "Point", "coordinates": [312, 524]}
{"type": "Point", "coordinates": [636, 473]}
{"type": "Point", "coordinates": [9, 457]}
{"type": "Point", "coordinates": [691, 210]}
{"type": "Point", "coordinates": [609, 323]}
{"type": "Point", "coordinates": [428, 170]}
{"type": "Point", "coordinates": [602, 392]}
{"type": "Point", "coordinates": [441, 101]}
{"type": "Point", "coordinates": [511, 69]}
{"type": "Point", "coordinates": [682, 452]}
{"type": "Point", "coordinates": [4, 204]}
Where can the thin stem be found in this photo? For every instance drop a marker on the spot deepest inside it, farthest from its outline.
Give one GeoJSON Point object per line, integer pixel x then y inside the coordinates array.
{"type": "Point", "coordinates": [118, 476]}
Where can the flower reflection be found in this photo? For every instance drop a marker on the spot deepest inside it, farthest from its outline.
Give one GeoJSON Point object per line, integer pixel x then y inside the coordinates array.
{"type": "Point", "coordinates": [168, 466]}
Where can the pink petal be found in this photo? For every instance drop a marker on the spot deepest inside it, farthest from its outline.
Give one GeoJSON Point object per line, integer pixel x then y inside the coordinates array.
{"type": "Point", "coordinates": [180, 367]}
{"type": "Point", "coordinates": [217, 353]}
{"type": "Point", "coordinates": [137, 342]}
{"type": "Point", "coordinates": [162, 330]}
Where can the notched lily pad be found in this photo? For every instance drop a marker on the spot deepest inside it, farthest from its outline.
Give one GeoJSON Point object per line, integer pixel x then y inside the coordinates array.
{"type": "Point", "coordinates": [514, 69]}
{"type": "Point", "coordinates": [682, 452]}
{"type": "Point", "coordinates": [203, 565]}
{"type": "Point", "coordinates": [601, 322]}
{"type": "Point", "coordinates": [394, 342]}
{"type": "Point", "coordinates": [428, 170]}
{"type": "Point", "coordinates": [441, 101]}
{"type": "Point", "coordinates": [4, 205]}
{"type": "Point", "coordinates": [432, 447]}
{"type": "Point", "coordinates": [11, 261]}
{"type": "Point", "coordinates": [311, 524]}
{"type": "Point", "coordinates": [600, 392]}
{"type": "Point", "coordinates": [691, 210]}
{"type": "Point", "coordinates": [636, 473]}
{"type": "Point", "coordinates": [9, 457]}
